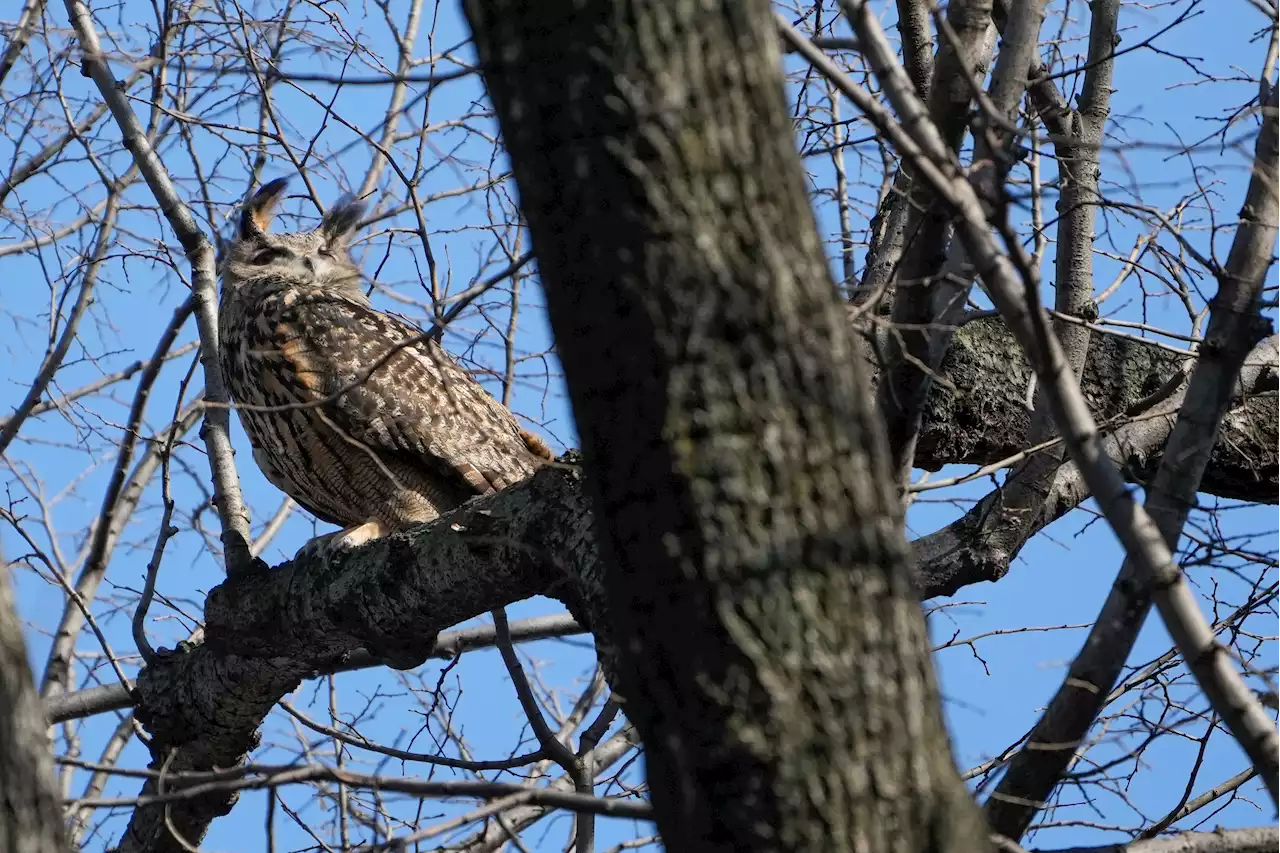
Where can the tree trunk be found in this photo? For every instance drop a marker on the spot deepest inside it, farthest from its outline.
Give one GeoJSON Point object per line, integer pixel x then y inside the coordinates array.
{"type": "Point", "coordinates": [773, 653]}
{"type": "Point", "coordinates": [30, 815]}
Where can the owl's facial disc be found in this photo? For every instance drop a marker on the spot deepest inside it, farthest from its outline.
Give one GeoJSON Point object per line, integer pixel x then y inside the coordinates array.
{"type": "Point", "coordinates": [318, 257]}
{"type": "Point", "coordinates": [305, 258]}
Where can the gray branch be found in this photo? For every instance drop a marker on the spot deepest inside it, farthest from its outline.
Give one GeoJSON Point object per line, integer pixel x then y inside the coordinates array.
{"type": "Point", "coordinates": [1126, 383]}
{"type": "Point", "coordinates": [264, 634]}
{"type": "Point", "coordinates": [30, 816]}
{"type": "Point", "coordinates": [217, 423]}
{"type": "Point", "coordinates": [1262, 839]}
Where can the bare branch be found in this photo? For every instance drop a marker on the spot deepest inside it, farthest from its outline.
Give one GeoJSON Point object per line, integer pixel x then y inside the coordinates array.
{"type": "Point", "coordinates": [31, 12]}
{"type": "Point", "coordinates": [185, 787]}
{"type": "Point", "coordinates": [30, 819]}
{"type": "Point", "coordinates": [449, 644]}
{"type": "Point", "coordinates": [1008, 288]}
{"type": "Point", "coordinates": [53, 359]}
{"type": "Point", "coordinates": [216, 432]}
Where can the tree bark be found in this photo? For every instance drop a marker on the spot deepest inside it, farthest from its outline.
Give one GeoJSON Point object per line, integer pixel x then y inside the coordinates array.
{"type": "Point", "coordinates": [30, 814]}
{"type": "Point", "coordinates": [978, 414]}
{"type": "Point", "coordinates": [204, 702]}
{"type": "Point", "coordinates": [772, 648]}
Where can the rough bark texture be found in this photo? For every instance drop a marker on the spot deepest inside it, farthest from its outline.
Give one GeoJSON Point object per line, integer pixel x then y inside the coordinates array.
{"type": "Point", "coordinates": [1235, 326]}
{"type": "Point", "coordinates": [1133, 387]}
{"type": "Point", "coordinates": [985, 418]}
{"type": "Point", "coordinates": [926, 235]}
{"type": "Point", "coordinates": [774, 651]}
{"type": "Point", "coordinates": [203, 703]}
{"type": "Point", "coordinates": [30, 813]}
{"type": "Point", "coordinates": [546, 518]}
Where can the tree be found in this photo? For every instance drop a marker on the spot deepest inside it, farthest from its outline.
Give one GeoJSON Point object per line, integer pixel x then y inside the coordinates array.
{"type": "Point", "coordinates": [692, 193]}
{"type": "Point", "coordinates": [29, 817]}
{"type": "Point", "coordinates": [767, 632]}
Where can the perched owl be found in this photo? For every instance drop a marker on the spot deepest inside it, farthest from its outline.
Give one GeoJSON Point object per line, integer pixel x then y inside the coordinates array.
{"type": "Point", "coordinates": [353, 413]}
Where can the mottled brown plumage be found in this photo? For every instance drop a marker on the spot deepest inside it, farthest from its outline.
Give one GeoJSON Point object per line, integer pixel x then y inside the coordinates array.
{"type": "Point", "coordinates": [353, 413]}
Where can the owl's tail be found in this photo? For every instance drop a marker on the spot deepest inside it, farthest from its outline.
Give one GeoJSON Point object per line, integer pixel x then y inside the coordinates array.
{"type": "Point", "coordinates": [536, 446]}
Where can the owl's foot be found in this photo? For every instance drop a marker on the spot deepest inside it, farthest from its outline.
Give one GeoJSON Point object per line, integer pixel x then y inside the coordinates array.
{"type": "Point", "coordinates": [324, 547]}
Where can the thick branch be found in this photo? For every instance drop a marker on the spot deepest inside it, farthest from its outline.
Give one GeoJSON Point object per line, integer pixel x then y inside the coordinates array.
{"type": "Point", "coordinates": [264, 634]}
{"type": "Point", "coordinates": [1127, 384]}
{"type": "Point", "coordinates": [983, 420]}
{"type": "Point", "coordinates": [30, 814]}
{"type": "Point", "coordinates": [1261, 839]}
{"type": "Point", "coordinates": [917, 43]}
{"type": "Point", "coordinates": [979, 415]}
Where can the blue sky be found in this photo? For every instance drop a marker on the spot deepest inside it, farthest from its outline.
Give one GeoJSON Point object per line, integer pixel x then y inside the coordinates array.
{"type": "Point", "coordinates": [1060, 578]}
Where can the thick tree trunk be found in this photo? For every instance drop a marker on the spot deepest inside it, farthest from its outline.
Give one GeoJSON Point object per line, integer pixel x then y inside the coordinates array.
{"type": "Point", "coordinates": [772, 648]}
{"type": "Point", "coordinates": [30, 815]}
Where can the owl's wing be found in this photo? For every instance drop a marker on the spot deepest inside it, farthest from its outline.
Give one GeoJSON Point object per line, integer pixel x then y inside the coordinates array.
{"type": "Point", "coordinates": [416, 401]}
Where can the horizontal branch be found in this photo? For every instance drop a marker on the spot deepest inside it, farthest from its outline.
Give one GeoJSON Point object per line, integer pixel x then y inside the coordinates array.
{"type": "Point", "coordinates": [1262, 839]}
{"type": "Point", "coordinates": [982, 544]}
{"type": "Point", "coordinates": [978, 415]}
{"type": "Point", "coordinates": [978, 420]}
{"type": "Point", "coordinates": [184, 787]}
{"type": "Point", "coordinates": [450, 644]}
{"type": "Point", "coordinates": [267, 633]}
{"type": "Point", "coordinates": [204, 703]}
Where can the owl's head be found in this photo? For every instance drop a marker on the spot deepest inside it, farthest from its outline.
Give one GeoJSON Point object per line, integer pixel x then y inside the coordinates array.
{"type": "Point", "coordinates": [319, 257]}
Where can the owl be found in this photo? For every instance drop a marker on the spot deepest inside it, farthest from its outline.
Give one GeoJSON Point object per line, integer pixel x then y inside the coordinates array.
{"type": "Point", "coordinates": [355, 414]}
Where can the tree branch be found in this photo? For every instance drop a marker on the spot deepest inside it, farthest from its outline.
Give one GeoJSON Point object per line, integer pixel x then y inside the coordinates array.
{"type": "Point", "coordinates": [1234, 324]}
{"type": "Point", "coordinates": [204, 703]}
{"type": "Point", "coordinates": [53, 358]}
{"type": "Point", "coordinates": [1009, 287]}
{"type": "Point", "coordinates": [124, 490]}
{"type": "Point", "coordinates": [917, 44]}
{"type": "Point", "coordinates": [232, 513]}
{"type": "Point", "coordinates": [981, 545]}
{"type": "Point", "coordinates": [912, 248]}
{"type": "Point", "coordinates": [1262, 839]}
{"type": "Point", "coordinates": [30, 814]}
{"type": "Point", "coordinates": [31, 12]}
{"type": "Point", "coordinates": [449, 644]}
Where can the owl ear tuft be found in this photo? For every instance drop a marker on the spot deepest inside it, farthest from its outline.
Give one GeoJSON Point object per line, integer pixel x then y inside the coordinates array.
{"type": "Point", "coordinates": [342, 219]}
{"type": "Point", "coordinates": [259, 210]}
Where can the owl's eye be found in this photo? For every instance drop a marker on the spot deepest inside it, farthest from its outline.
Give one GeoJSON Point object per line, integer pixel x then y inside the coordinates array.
{"type": "Point", "coordinates": [326, 252]}
{"type": "Point", "coordinates": [266, 256]}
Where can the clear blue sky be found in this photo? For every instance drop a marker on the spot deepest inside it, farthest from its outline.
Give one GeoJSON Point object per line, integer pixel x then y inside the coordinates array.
{"type": "Point", "coordinates": [1059, 579]}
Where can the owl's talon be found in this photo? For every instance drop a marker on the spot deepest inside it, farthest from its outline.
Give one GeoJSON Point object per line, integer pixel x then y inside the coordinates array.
{"type": "Point", "coordinates": [322, 548]}
{"type": "Point", "coordinates": [315, 550]}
